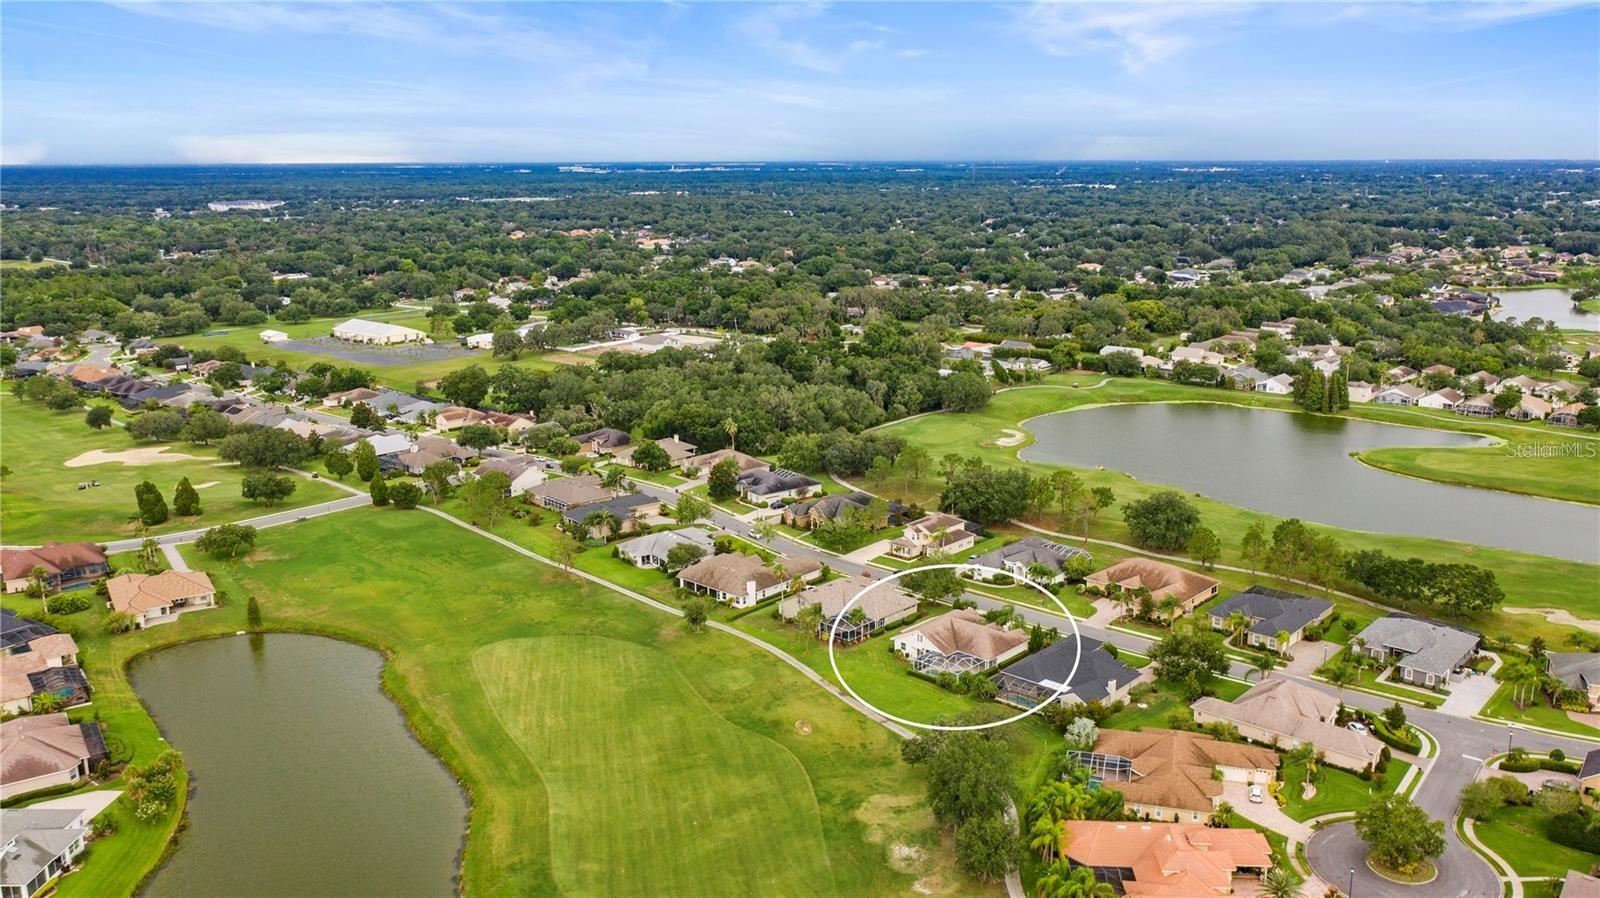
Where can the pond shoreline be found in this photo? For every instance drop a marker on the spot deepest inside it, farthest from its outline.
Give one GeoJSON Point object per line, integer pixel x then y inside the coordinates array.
{"type": "Point", "coordinates": [433, 745]}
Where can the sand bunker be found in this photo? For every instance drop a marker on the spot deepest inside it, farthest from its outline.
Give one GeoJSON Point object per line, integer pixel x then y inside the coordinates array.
{"type": "Point", "coordinates": [1558, 616]}
{"type": "Point", "coordinates": [1011, 438]}
{"type": "Point", "coordinates": [144, 455]}
{"type": "Point", "coordinates": [201, 486]}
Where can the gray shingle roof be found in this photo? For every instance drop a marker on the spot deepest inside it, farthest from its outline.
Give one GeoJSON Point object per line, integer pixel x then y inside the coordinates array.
{"type": "Point", "coordinates": [1031, 550]}
{"type": "Point", "coordinates": [621, 506]}
{"type": "Point", "coordinates": [1576, 669]}
{"type": "Point", "coordinates": [1272, 610]}
{"type": "Point", "coordinates": [777, 480]}
{"type": "Point", "coordinates": [1591, 764]}
{"type": "Point", "coordinates": [1427, 646]}
{"type": "Point", "coordinates": [1049, 667]}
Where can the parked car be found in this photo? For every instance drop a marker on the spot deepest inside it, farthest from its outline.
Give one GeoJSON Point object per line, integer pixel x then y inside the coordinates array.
{"type": "Point", "coordinates": [1256, 794]}
{"type": "Point", "coordinates": [1356, 726]}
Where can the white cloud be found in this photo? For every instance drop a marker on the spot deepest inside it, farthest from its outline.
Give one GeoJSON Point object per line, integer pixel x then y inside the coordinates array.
{"type": "Point", "coordinates": [1467, 15]}
{"type": "Point", "coordinates": [776, 29]}
{"type": "Point", "coordinates": [1140, 35]}
{"type": "Point", "coordinates": [25, 153]}
{"type": "Point", "coordinates": [290, 147]}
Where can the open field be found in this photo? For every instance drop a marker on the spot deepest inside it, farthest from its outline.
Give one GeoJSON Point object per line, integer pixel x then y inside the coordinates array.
{"type": "Point", "coordinates": [720, 718]}
{"type": "Point", "coordinates": [1537, 713]}
{"type": "Point", "coordinates": [1340, 790]}
{"type": "Point", "coordinates": [1516, 833]}
{"type": "Point", "coordinates": [399, 377]}
{"type": "Point", "coordinates": [43, 502]}
{"type": "Point", "coordinates": [1161, 700]}
{"type": "Point", "coordinates": [1528, 580]}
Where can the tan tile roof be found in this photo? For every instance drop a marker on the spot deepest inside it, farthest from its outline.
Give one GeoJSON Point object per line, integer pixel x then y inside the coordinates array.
{"type": "Point", "coordinates": [709, 459]}
{"type": "Point", "coordinates": [1291, 709]}
{"type": "Point", "coordinates": [138, 593]}
{"type": "Point", "coordinates": [965, 631]}
{"type": "Point", "coordinates": [731, 572]}
{"type": "Point", "coordinates": [39, 745]}
{"type": "Point", "coordinates": [881, 603]}
{"type": "Point", "coordinates": [1169, 860]}
{"type": "Point", "coordinates": [1160, 578]}
{"type": "Point", "coordinates": [579, 490]}
{"type": "Point", "coordinates": [1172, 768]}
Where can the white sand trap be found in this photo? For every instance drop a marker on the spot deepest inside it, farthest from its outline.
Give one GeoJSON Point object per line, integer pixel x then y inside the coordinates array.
{"type": "Point", "coordinates": [1558, 616]}
{"type": "Point", "coordinates": [144, 455]}
{"type": "Point", "coordinates": [201, 486]}
{"type": "Point", "coordinates": [1011, 438]}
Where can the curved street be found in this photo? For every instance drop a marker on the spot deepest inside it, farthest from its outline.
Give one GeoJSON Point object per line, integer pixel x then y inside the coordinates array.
{"type": "Point", "coordinates": [1336, 850]}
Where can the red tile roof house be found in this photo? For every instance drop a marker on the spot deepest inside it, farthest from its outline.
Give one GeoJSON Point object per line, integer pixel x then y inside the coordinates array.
{"type": "Point", "coordinates": [1166, 860]}
{"type": "Point", "coordinates": [155, 599]}
{"type": "Point", "coordinates": [743, 580]}
{"type": "Point", "coordinates": [65, 564]}
{"type": "Point", "coordinates": [49, 664]}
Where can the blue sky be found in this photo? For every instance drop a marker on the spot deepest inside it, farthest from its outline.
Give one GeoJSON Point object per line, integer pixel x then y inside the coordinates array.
{"type": "Point", "coordinates": [309, 82]}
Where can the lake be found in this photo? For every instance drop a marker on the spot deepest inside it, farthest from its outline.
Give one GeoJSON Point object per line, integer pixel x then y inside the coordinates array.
{"type": "Point", "coordinates": [305, 779]}
{"type": "Point", "coordinates": [1549, 303]}
{"type": "Point", "coordinates": [1297, 465]}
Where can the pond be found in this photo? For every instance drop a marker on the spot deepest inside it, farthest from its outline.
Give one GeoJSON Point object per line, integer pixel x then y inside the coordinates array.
{"type": "Point", "coordinates": [1296, 465]}
{"type": "Point", "coordinates": [305, 779]}
{"type": "Point", "coordinates": [1550, 303]}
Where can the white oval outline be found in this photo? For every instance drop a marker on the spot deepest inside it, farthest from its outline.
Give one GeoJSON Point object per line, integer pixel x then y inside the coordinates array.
{"type": "Point", "coordinates": [833, 662]}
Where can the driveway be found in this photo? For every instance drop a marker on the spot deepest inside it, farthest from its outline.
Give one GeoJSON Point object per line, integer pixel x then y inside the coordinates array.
{"type": "Point", "coordinates": [868, 552]}
{"type": "Point", "coordinates": [1306, 657]}
{"type": "Point", "coordinates": [1468, 695]}
{"type": "Point", "coordinates": [1267, 813]}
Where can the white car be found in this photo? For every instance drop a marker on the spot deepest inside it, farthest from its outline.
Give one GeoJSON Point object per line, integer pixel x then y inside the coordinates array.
{"type": "Point", "coordinates": [1256, 794]}
{"type": "Point", "coordinates": [1356, 726]}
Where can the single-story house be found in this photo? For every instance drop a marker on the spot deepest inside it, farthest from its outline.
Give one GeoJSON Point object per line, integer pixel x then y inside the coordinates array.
{"type": "Point", "coordinates": [349, 397]}
{"type": "Point", "coordinates": [1168, 774]}
{"type": "Point", "coordinates": [44, 750]}
{"type": "Point", "coordinates": [16, 631]}
{"type": "Point", "coordinates": [1445, 398]}
{"type": "Point", "coordinates": [1399, 394]}
{"type": "Point", "coordinates": [708, 460]}
{"type": "Point", "coordinates": [384, 445]}
{"type": "Point", "coordinates": [935, 532]}
{"type": "Point", "coordinates": [1424, 652]}
{"type": "Point", "coordinates": [605, 439]}
{"type": "Point", "coordinates": [881, 606]}
{"type": "Point", "coordinates": [1159, 578]}
{"type": "Point", "coordinates": [44, 664]}
{"type": "Point", "coordinates": [651, 549]}
{"type": "Point", "coordinates": [958, 642]}
{"type": "Point", "coordinates": [524, 473]}
{"type": "Point", "coordinates": [1531, 408]}
{"type": "Point", "coordinates": [1286, 714]}
{"type": "Point", "coordinates": [66, 565]}
{"type": "Point", "coordinates": [1566, 415]}
{"type": "Point", "coordinates": [774, 485]}
{"type": "Point", "coordinates": [273, 336]}
{"type": "Point", "coordinates": [1270, 612]}
{"type": "Point", "coordinates": [155, 599]}
{"type": "Point", "coordinates": [743, 580]}
{"type": "Point", "coordinates": [1360, 391]}
{"type": "Point", "coordinates": [1400, 374]}
{"type": "Point", "coordinates": [1019, 558]}
{"type": "Point", "coordinates": [1484, 379]}
{"type": "Point", "coordinates": [1166, 860]}
{"type": "Point", "coordinates": [360, 330]}
{"type": "Point", "coordinates": [1278, 384]}
{"type": "Point", "coordinates": [678, 451]}
{"type": "Point", "coordinates": [627, 509]}
{"type": "Point", "coordinates": [1480, 406]}
{"type": "Point", "coordinates": [1589, 772]}
{"type": "Point", "coordinates": [1580, 885]}
{"type": "Point", "coordinates": [565, 492]}
{"type": "Point", "coordinates": [39, 845]}
{"type": "Point", "coordinates": [1577, 670]}
{"type": "Point", "coordinates": [1098, 676]}
{"type": "Point", "coordinates": [1446, 370]}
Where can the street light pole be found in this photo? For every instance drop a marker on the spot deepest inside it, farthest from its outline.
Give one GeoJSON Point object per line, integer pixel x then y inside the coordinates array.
{"type": "Point", "coordinates": [1351, 891]}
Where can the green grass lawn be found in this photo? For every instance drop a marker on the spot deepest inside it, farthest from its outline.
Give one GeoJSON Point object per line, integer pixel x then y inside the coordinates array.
{"type": "Point", "coordinates": [1161, 700]}
{"type": "Point", "coordinates": [606, 749]}
{"type": "Point", "coordinates": [1376, 681]}
{"type": "Point", "coordinates": [41, 496]}
{"type": "Point", "coordinates": [1537, 713]}
{"type": "Point", "coordinates": [1528, 580]}
{"type": "Point", "coordinates": [1340, 790]}
{"type": "Point", "coordinates": [1516, 834]}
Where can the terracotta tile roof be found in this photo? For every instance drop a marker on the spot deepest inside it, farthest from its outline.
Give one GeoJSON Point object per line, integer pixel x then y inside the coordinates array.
{"type": "Point", "coordinates": [1168, 860]}
{"type": "Point", "coordinates": [965, 631]}
{"type": "Point", "coordinates": [1172, 768]}
{"type": "Point", "coordinates": [138, 593]}
{"type": "Point", "coordinates": [1160, 578]}
{"type": "Point", "coordinates": [53, 557]}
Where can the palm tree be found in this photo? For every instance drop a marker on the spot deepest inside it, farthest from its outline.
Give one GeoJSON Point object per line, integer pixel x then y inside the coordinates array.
{"type": "Point", "coordinates": [1045, 837]}
{"type": "Point", "coordinates": [1265, 664]}
{"type": "Point", "coordinates": [1236, 623]}
{"type": "Point", "coordinates": [1341, 676]}
{"type": "Point", "coordinates": [1282, 639]}
{"type": "Point", "coordinates": [1063, 880]}
{"type": "Point", "coordinates": [1277, 883]}
{"type": "Point", "coordinates": [1222, 814]}
{"type": "Point", "coordinates": [731, 428]}
{"type": "Point", "coordinates": [1169, 608]}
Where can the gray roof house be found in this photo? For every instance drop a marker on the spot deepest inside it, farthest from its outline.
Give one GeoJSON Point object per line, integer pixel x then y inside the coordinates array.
{"type": "Point", "coordinates": [38, 846]}
{"type": "Point", "coordinates": [625, 508]}
{"type": "Point", "coordinates": [774, 483]}
{"type": "Point", "coordinates": [1589, 773]}
{"type": "Point", "coordinates": [1099, 676]}
{"type": "Point", "coordinates": [651, 549]}
{"type": "Point", "coordinates": [1578, 670]}
{"type": "Point", "coordinates": [1270, 612]}
{"type": "Point", "coordinates": [1424, 652]}
{"type": "Point", "coordinates": [1016, 558]}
